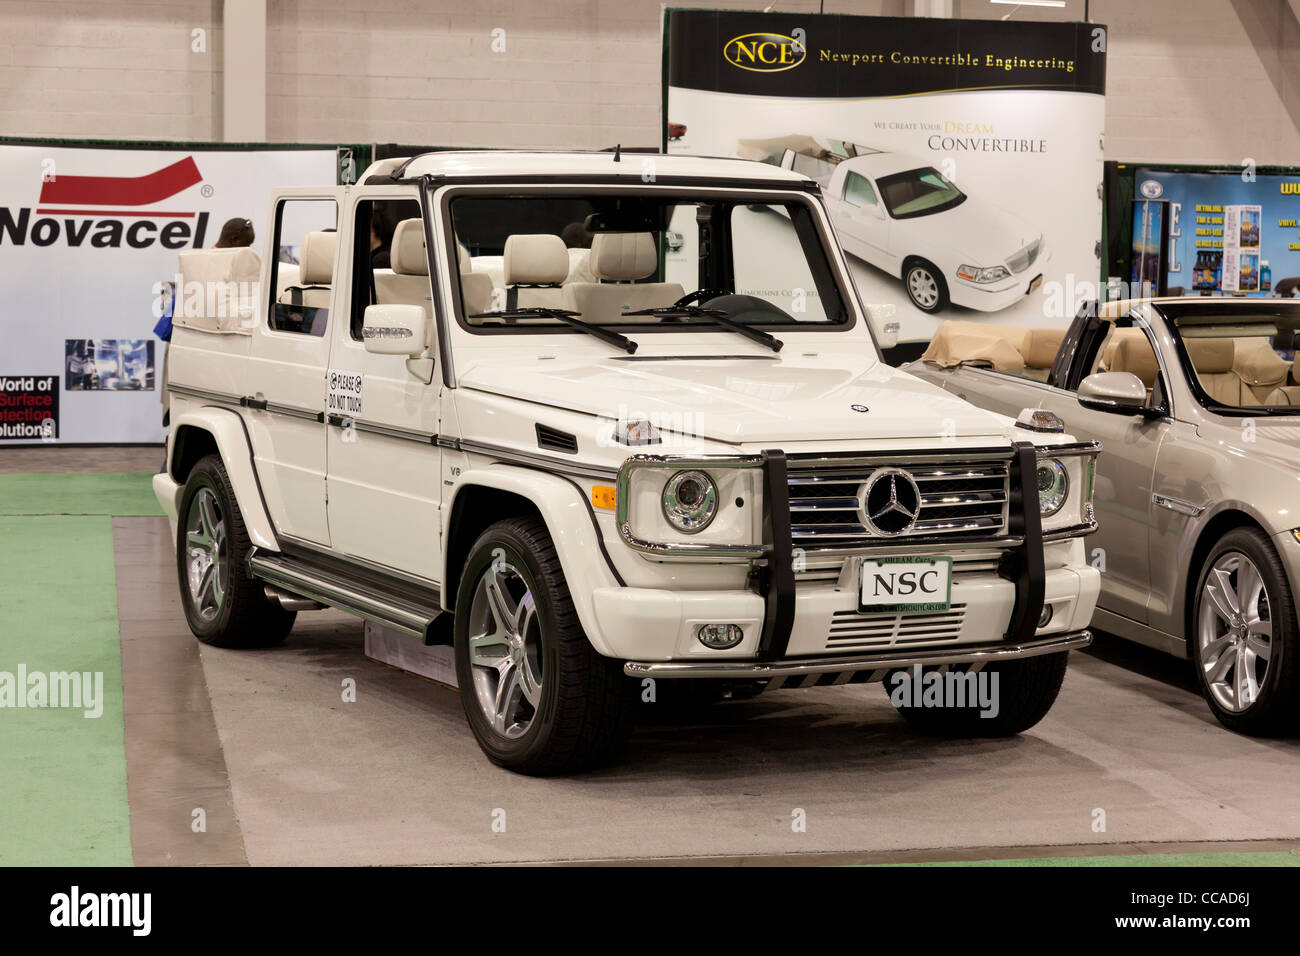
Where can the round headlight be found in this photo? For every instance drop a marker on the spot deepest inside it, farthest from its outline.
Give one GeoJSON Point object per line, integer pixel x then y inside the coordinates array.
{"type": "Point", "coordinates": [690, 501]}
{"type": "Point", "coordinates": [1053, 486]}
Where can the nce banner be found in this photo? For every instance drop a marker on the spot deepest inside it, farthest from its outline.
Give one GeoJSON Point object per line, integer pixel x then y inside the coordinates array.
{"type": "Point", "coordinates": [960, 159]}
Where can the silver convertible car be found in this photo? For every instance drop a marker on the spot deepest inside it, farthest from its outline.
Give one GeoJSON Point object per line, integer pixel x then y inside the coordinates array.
{"type": "Point", "coordinates": [1197, 404]}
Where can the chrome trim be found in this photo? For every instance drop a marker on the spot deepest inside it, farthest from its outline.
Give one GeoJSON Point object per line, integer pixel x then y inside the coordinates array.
{"type": "Point", "coordinates": [1177, 505]}
{"type": "Point", "coordinates": [971, 654]}
{"type": "Point", "coordinates": [204, 394]}
{"type": "Point", "coordinates": [561, 465]}
{"type": "Point", "coordinates": [960, 456]}
{"type": "Point", "coordinates": [622, 504]}
{"type": "Point", "coordinates": [1068, 450]}
{"type": "Point", "coordinates": [275, 408]}
{"type": "Point", "coordinates": [363, 602]}
{"type": "Point", "coordinates": [388, 431]}
{"type": "Point", "coordinates": [1081, 530]}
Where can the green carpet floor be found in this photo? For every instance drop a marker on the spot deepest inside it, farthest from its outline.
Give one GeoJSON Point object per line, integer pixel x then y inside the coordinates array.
{"type": "Point", "coordinates": [62, 774]}
{"type": "Point", "coordinates": [119, 495]}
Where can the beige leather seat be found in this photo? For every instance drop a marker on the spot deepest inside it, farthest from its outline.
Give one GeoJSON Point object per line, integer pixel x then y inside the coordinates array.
{"type": "Point", "coordinates": [1133, 354]}
{"type": "Point", "coordinates": [315, 271]}
{"type": "Point", "coordinates": [475, 287]}
{"type": "Point", "coordinates": [407, 283]}
{"type": "Point", "coordinates": [1117, 336]}
{"type": "Point", "coordinates": [1260, 368]}
{"type": "Point", "coordinates": [1285, 395]}
{"type": "Point", "coordinates": [1213, 361]}
{"type": "Point", "coordinates": [535, 266]}
{"type": "Point", "coordinates": [617, 260]}
{"type": "Point", "coordinates": [1040, 348]}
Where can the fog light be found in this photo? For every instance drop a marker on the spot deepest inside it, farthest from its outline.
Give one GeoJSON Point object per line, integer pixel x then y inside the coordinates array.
{"type": "Point", "coordinates": [720, 636]}
{"type": "Point", "coordinates": [1045, 618]}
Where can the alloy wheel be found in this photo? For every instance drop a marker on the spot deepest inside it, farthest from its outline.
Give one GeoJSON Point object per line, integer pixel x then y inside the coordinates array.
{"type": "Point", "coordinates": [207, 565]}
{"type": "Point", "coordinates": [1235, 631]}
{"type": "Point", "coordinates": [505, 649]}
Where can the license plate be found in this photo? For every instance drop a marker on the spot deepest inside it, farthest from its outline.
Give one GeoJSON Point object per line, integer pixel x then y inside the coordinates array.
{"type": "Point", "coordinates": [907, 585]}
{"type": "Point", "coordinates": [1034, 284]}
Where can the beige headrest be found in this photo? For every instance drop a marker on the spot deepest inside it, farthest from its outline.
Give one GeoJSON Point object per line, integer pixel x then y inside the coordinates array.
{"type": "Point", "coordinates": [539, 259]}
{"type": "Point", "coordinates": [1257, 363]}
{"type": "Point", "coordinates": [1134, 354]}
{"type": "Point", "coordinates": [1211, 356]}
{"type": "Point", "coordinates": [406, 255]}
{"type": "Point", "coordinates": [623, 256]}
{"type": "Point", "coordinates": [1041, 346]}
{"type": "Point", "coordinates": [316, 258]}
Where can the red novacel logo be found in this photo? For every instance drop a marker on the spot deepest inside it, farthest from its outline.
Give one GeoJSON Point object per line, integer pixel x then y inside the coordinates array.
{"type": "Point", "coordinates": [88, 210]}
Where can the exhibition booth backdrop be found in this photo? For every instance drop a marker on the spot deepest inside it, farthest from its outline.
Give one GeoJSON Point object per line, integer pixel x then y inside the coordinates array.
{"type": "Point", "coordinates": [89, 237]}
{"type": "Point", "coordinates": [961, 160]}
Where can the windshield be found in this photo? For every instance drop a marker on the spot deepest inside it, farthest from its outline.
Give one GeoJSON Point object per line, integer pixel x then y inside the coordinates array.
{"type": "Point", "coordinates": [1241, 360]}
{"type": "Point", "coordinates": [641, 261]}
{"type": "Point", "coordinates": [918, 192]}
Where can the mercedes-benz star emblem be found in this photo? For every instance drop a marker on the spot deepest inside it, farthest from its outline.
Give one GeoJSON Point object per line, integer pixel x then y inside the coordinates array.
{"type": "Point", "coordinates": [891, 501]}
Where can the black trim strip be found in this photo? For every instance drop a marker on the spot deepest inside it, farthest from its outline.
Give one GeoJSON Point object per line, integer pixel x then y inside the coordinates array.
{"type": "Point", "coordinates": [777, 579]}
{"type": "Point", "coordinates": [367, 572]}
{"type": "Point", "coordinates": [439, 319]}
{"type": "Point", "coordinates": [388, 431]}
{"type": "Point", "coordinates": [595, 526]}
{"type": "Point", "coordinates": [1025, 565]}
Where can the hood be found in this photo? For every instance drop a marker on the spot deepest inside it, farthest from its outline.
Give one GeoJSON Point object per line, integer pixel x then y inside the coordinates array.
{"type": "Point", "coordinates": [817, 397]}
{"type": "Point", "coordinates": [978, 232]}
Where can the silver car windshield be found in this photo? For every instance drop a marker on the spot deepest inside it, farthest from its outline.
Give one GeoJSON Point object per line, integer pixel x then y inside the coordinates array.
{"type": "Point", "coordinates": [642, 261]}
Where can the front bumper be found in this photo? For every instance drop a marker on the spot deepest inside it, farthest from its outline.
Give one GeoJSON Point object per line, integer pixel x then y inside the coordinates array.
{"type": "Point", "coordinates": [781, 622]}
{"type": "Point", "coordinates": [859, 668]}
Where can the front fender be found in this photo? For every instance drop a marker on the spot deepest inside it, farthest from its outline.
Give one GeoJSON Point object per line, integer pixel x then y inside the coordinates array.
{"type": "Point", "coordinates": [568, 519]}
{"type": "Point", "coordinates": [227, 430]}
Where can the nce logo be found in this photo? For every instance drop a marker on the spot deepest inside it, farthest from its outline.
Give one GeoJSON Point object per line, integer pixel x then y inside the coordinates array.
{"type": "Point", "coordinates": [764, 52]}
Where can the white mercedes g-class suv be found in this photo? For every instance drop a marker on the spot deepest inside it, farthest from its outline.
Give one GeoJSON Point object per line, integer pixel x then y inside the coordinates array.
{"type": "Point", "coordinates": [483, 400]}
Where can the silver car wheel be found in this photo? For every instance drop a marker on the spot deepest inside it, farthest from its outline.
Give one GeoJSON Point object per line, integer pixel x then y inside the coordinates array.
{"type": "Point", "coordinates": [1235, 631]}
{"type": "Point", "coordinates": [505, 649]}
{"type": "Point", "coordinates": [922, 287]}
{"type": "Point", "coordinates": [207, 567]}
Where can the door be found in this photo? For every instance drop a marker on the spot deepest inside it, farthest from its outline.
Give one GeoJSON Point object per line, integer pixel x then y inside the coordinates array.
{"type": "Point", "coordinates": [286, 379]}
{"type": "Point", "coordinates": [861, 222]}
{"type": "Point", "coordinates": [1126, 473]}
{"type": "Point", "coordinates": [384, 464]}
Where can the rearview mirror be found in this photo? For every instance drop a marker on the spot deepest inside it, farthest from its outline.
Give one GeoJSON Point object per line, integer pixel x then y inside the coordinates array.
{"type": "Point", "coordinates": [884, 324]}
{"type": "Point", "coordinates": [395, 329]}
{"type": "Point", "coordinates": [1121, 392]}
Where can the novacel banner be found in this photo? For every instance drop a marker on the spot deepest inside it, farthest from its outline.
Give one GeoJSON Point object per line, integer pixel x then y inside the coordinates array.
{"type": "Point", "coordinates": [88, 238]}
{"type": "Point", "coordinates": [961, 160]}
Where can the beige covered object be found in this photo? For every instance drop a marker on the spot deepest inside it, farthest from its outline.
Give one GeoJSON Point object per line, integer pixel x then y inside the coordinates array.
{"type": "Point", "coordinates": [957, 342]}
{"type": "Point", "coordinates": [219, 290]}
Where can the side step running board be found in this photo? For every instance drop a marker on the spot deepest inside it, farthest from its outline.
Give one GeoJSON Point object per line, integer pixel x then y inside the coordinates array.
{"type": "Point", "coordinates": [332, 587]}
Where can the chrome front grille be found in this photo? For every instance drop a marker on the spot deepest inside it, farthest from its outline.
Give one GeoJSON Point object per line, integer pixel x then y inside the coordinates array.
{"type": "Point", "coordinates": [1025, 258]}
{"type": "Point", "coordinates": [958, 500]}
{"type": "Point", "coordinates": [852, 630]}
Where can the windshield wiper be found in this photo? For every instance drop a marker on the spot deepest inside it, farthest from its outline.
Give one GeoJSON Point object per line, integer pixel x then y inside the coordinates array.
{"type": "Point", "coordinates": [717, 316]}
{"type": "Point", "coordinates": [566, 316]}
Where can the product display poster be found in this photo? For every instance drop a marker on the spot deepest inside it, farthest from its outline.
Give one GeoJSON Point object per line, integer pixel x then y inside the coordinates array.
{"type": "Point", "coordinates": [960, 160]}
{"type": "Point", "coordinates": [1230, 233]}
{"type": "Point", "coordinates": [88, 239]}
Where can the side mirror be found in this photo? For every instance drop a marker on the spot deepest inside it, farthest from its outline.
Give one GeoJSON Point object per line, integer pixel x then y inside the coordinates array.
{"type": "Point", "coordinates": [1121, 392]}
{"type": "Point", "coordinates": [883, 324]}
{"type": "Point", "coordinates": [395, 329]}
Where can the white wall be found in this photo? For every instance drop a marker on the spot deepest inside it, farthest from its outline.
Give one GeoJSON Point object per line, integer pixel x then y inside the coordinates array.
{"type": "Point", "coordinates": [1187, 81]}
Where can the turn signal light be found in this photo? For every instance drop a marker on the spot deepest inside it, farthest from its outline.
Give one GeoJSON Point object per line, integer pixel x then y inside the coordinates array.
{"type": "Point", "coordinates": [602, 496]}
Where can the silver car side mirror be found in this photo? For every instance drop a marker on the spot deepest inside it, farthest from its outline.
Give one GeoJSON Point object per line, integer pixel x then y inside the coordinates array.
{"type": "Point", "coordinates": [1121, 392]}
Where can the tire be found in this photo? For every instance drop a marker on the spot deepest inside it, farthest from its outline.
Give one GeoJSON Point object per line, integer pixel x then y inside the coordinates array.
{"type": "Point", "coordinates": [1025, 692]}
{"type": "Point", "coordinates": [925, 286]}
{"type": "Point", "coordinates": [1246, 663]}
{"type": "Point", "coordinates": [566, 708]}
{"type": "Point", "coordinates": [223, 605]}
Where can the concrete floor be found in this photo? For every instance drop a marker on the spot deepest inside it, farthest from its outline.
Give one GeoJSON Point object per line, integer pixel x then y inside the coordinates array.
{"type": "Point", "coordinates": [396, 778]}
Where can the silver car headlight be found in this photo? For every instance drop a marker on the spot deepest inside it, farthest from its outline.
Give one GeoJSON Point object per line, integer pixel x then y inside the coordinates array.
{"type": "Point", "coordinates": [690, 500]}
{"type": "Point", "coordinates": [1053, 486]}
{"type": "Point", "coordinates": [976, 274]}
